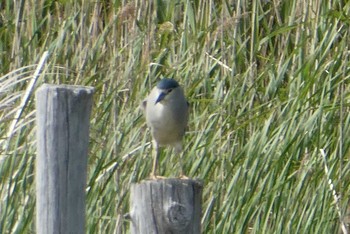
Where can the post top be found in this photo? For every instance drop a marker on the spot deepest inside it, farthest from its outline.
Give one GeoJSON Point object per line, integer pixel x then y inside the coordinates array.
{"type": "Point", "coordinates": [196, 182]}
{"type": "Point", "coordinates": [74, 88]}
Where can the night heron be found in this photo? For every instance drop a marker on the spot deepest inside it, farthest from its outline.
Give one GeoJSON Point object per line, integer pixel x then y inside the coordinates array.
{"type": "Point", "coordinates": [166, 111]}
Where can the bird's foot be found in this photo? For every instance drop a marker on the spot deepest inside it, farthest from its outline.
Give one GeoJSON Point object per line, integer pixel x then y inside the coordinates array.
{"type": "Point", "coordinates": [156, 177]}
{"type": "Point", "coordinates": [184, 177]}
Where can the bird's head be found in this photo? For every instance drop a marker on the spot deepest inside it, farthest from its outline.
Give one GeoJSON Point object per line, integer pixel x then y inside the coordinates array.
{"type": "Point", "coordinates": [165, 87]}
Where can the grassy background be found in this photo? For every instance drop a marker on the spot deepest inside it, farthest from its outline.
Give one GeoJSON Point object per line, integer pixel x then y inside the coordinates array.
{"type": "Point", "coordinates": [267, 82]}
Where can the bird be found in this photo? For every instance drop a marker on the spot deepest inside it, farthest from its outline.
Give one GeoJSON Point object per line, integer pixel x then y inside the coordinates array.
{"type": "Point", "coordinates": [167, 111]}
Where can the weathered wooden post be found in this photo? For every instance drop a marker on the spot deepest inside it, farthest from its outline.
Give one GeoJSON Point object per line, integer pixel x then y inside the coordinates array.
{"type": "Point", "coordinates": [62, 119]}
{"type": "Point", "coordinates": [166, 206]}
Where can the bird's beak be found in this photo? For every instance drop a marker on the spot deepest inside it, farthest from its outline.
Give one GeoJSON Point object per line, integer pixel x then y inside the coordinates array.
{"type": "Point", "coordinates": [161, 97]}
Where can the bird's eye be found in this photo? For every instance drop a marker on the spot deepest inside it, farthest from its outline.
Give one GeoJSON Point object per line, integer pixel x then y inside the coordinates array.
{"type": "Point", "coordinates": [169, 90]}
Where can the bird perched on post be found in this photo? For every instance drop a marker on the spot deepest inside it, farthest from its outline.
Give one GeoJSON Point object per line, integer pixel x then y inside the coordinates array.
{"type": "Point", "coordinates": [166, 112]}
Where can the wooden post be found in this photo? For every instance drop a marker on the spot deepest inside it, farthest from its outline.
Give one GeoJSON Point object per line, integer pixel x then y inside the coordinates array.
{"type": "Point", "coordinates": [166, 206]}
{"type": "Point", "coordinates": [62, 119]}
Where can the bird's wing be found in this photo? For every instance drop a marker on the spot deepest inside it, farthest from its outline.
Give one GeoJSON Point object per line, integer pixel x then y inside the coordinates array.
{"type": "Point", "coordinates": [143, 105]}
{"type": "Point", "coordinates": [188, 113]}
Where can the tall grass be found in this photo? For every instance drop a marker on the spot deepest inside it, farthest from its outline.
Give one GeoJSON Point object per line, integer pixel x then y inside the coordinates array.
{"type": "Point", "coordinates": [267, 83]}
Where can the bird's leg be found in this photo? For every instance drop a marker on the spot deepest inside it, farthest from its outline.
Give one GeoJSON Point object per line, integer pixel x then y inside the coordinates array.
{"type": "Point", "coordinates": [182, 175]}
{"type": "Point", "coordinates": [181, 165]}
{"type": "Point", "coordinates": [155, 160]}
{"type": "Point", "coordinates": [179, 151]}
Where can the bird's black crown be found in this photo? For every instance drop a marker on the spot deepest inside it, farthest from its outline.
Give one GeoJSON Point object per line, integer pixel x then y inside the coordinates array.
{"type": "Point", "coordinates": [167, 83]}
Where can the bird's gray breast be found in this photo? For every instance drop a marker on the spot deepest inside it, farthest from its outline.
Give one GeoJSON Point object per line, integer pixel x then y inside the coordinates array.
{"type": "Point", "coordinates": [167, 122]}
